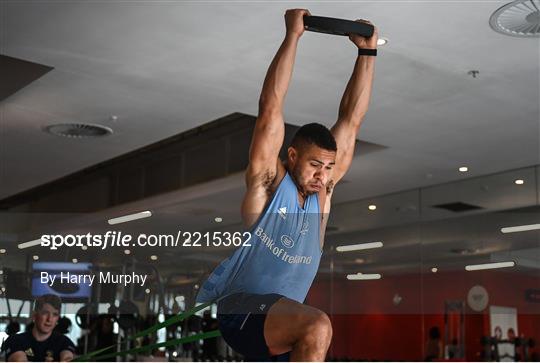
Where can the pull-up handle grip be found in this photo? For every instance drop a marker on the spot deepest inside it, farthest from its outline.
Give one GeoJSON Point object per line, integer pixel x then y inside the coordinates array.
{"type": "Point", "coordinates": [336, 26]}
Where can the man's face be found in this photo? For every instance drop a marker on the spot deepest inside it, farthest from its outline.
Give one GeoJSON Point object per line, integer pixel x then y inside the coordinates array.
{"type": "Point", "coordinates": [46, 318]}
{"type": "Point", "coordinates": [311, 167]}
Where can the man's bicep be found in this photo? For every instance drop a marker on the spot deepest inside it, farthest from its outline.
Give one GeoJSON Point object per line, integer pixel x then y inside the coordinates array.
{"type": "Point", "coordinates": [345, 135]}
{"type": "Point", "coordinates": [267, 140]}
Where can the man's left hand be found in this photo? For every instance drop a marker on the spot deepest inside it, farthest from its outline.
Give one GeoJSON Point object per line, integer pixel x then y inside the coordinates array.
{"type": "Point", "coordinates": [363, 42]}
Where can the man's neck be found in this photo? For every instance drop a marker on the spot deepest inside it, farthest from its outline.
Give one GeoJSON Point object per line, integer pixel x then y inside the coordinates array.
{"type": "Point", "coordinates": [40, 336]}
{"type": "Point", "coordinates": [301, 195]}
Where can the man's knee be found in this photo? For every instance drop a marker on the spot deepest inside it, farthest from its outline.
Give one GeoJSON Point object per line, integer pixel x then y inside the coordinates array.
{"type": "Point", "coordinates": [319, 327]}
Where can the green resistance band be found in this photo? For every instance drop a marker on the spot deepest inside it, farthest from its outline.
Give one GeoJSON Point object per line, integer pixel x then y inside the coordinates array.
{"type": "Point", "coordinates": [173, 320]}
{"type": "Point", "coordinates": [192, 338]}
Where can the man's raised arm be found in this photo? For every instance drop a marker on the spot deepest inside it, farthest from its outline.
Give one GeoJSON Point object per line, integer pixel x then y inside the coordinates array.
{"type": "Point", "coordinates": [269, 128]}
{"type": "Point", "coordinates": [354, 105]}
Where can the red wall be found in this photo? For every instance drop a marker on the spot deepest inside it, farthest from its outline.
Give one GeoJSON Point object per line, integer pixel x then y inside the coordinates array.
{"type": "Point", "coordinates": [367, 324]}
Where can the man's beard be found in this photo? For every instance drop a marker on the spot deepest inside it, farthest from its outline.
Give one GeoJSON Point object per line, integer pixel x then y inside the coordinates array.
{"type": "Point", "coordinates": [295, 174]}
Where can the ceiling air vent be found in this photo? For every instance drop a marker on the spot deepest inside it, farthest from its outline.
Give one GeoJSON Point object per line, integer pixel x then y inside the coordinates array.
{"type": "Point", "coordinates": [78, 130]}
{"type": "Point", "coordinates": [457, 207]}
{"type": "Point", "coordinates": [519, 18]}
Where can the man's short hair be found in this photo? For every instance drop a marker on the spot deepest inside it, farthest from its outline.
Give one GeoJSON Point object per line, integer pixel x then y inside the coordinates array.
{"type": "Point", "coordinates": [50, 299]}
{"type": "Point", "coordinates": [314, 134]}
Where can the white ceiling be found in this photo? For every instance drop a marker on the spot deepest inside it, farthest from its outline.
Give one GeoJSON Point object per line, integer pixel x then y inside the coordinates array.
{"type": "Point", "coordinates": [164, 67]}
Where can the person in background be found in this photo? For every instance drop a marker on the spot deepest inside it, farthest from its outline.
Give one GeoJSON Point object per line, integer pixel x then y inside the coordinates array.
{"type": "Point", "coordinates": [41, 343]}
{"type": "Point", "coordinates": [434, 346]}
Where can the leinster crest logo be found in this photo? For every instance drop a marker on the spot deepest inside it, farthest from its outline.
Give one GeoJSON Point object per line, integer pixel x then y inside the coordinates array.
{"type": "Point", "coordinates": [287, 241]}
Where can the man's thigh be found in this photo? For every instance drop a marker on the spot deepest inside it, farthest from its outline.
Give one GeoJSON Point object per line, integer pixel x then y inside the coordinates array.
{"type": "Point", "coordinates": [241, 319]}
{"type": "Point", "coordinates": [287, 322]}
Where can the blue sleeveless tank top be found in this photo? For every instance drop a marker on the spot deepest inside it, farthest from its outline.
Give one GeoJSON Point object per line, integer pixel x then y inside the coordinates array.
{"type": "Point", "coordinates": [284, 254]}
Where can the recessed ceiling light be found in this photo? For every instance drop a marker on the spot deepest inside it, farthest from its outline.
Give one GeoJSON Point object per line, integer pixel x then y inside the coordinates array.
{"type": "Point", "coordinates": [372, 207]}
{"type": "Point", "coordinates": [130, 217]}
{"type": "Point", "coordinates": [2, 250]}
{"type": "Point", "coordinates": [147, 291]}
{"type": "Point", "coordinates": [35, 257]}
{"type": "Point", "coordinates": [153, 258]}
{"type": "Point", "coordinates": [361, 276]}
{"type": "Point", "coordinates": [218, 219]}
{"type": "Point", "coordinates": [74, 260]}
{"type": "Point", "coordinates": [489, 266]}
{"type": "Point", "coordinates": [32, 243]}
{"type": "Point", "coordinates": [382, 41]}
{"type": "Point", "coordinates": [463, 169]}
{"type": "Point", "coordinates": [360, 246]}
{"type": "Point", "coordinates": [84, 247]}
{"type": "Point", "coordinates": [524, 228]}
{"type": "Point", "coordinates": [434, 269]}
{"type": "Point", "coordinates": [519, 181]}
{"type": "Point", "coordinates": [127, 252]}
{"type": "Point", "coordinates": [359, 260]}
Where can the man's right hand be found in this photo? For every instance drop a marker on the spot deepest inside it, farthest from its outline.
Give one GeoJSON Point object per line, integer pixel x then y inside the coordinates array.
{"type": "Point", "coordinates": [294, 21]}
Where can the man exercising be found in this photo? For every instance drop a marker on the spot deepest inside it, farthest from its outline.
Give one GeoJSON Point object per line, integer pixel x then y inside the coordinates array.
{"type": "Point", "coordinates": [261, 289]}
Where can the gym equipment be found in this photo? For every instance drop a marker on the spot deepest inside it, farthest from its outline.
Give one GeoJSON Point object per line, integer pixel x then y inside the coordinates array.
{"type": "Point", "coordinates": [336, 26]}
{"type": "Point", "coordinates": [86, 315]}
{"type": "Point", "coordinates": [522, 348]}
{"type": "Point", "coordinates": [128, 314]}
{"type": "Point", "coordinates": [174, 320]}
{"type": "Point", "coordinates": [189, 339]}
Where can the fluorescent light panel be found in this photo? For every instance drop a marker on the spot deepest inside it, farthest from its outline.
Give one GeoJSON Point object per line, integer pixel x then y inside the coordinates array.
{"type": "Point", "coordinates": [361, 276]}
{"type": "Point", "coordinates": [488, 266]}
{"type": "Point", "coordinates": [529, 227]}
{"type": "Point", "coordinates": [361, 246]}
{"type": "Point", "coordinates": [130, 217]}
{"type": "Point", "coordinates": [28, 244]}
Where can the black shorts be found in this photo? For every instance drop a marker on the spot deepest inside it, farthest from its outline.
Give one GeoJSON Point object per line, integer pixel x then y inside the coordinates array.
{"type": "Point", "coordinates": [241, 320]}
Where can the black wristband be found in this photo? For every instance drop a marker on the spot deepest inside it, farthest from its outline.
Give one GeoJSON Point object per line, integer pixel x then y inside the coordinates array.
{"type": "Point", "coordinates": [363, 51]}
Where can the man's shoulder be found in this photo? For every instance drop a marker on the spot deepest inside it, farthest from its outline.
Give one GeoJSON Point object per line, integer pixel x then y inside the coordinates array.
{"type": "Point", "coordinates": [60, 339]}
